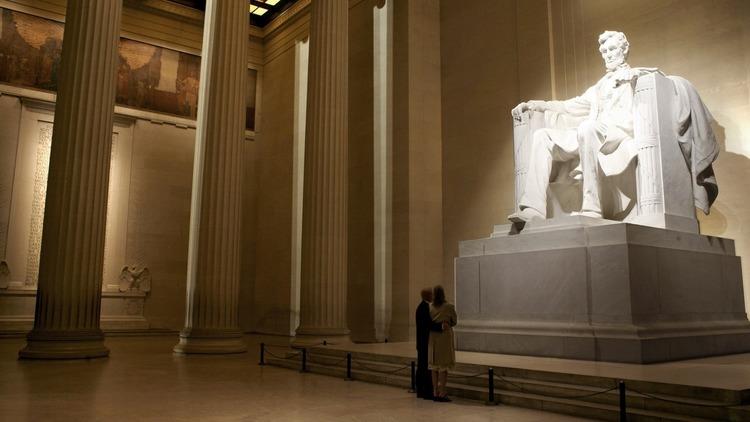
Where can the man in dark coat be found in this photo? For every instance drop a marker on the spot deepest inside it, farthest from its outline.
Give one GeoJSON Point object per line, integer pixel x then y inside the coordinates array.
{"type": "Point", "coordinates": [424, 326]}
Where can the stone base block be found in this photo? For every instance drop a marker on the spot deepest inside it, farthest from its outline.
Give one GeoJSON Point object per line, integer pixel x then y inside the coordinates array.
{"type": "Point", "coordinates": [592, 289]}
{"type": "Point", "coordinates": [313, 336]}
{"type": "Point", "coordinates": [121, 311]}
{"type": "Point", "coordinates": [64, 345]}
{"type": "Point", "coordinates": [210, 341]}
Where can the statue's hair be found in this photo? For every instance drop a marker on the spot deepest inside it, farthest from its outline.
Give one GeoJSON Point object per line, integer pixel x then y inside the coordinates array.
{"type": "Point", "coordinates": [622, 40]}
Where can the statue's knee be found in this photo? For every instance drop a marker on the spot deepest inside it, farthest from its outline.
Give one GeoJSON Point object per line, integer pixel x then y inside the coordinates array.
{"type": "Point", "coordinates": [587, 132]}
{"type": "Point", "coordinates": [542, 139]}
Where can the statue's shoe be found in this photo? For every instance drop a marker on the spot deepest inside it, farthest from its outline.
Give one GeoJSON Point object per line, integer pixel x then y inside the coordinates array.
{"type": "Point", "coordinates": [525, 215]}
{"type": "Point", "coordinates": [577, 173]}
{"type": "Point", "coordinates": [591, 214]}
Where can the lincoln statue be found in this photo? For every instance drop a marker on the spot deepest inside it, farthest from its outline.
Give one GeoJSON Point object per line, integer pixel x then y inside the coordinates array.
{"type": "Point", "coordinates": [591, 134]}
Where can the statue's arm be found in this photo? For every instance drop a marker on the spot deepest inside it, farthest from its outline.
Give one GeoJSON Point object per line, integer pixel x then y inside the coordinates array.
{"type": "Point", "coordinates": [532, 105]}
{"type": "Point", "coordinates": [579, 106]}
{"type": "Point", "coordinates": [574, 106]}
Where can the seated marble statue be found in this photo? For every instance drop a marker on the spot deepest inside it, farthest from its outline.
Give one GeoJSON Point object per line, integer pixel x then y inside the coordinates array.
{"type": "Point", "coordinates": [608, 149]}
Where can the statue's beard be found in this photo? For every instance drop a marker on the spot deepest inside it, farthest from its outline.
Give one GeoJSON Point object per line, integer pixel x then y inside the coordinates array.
{"type": "Point", "coordinates": [613, 65]}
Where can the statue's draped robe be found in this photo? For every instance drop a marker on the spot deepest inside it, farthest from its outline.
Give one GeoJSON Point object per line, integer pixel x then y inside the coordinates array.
{"type": "Point", "coordinates": [697, 141]}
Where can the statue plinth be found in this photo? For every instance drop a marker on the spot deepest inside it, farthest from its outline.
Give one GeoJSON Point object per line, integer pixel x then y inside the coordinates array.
{"type": "Point", "coordinates": [584, 288]}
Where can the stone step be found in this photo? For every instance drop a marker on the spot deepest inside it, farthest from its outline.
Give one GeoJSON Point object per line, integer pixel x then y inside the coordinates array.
{"type": "Point", "coordinates": [530, 389]}
{"type": "Point", "coordinates": [675, 391]}
{"type": "Point", "coordinates": [514, 398]}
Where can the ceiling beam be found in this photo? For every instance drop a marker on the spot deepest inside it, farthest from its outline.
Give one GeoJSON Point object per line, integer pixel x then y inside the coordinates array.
{"type": "Point", "coordinates": [274, 9]}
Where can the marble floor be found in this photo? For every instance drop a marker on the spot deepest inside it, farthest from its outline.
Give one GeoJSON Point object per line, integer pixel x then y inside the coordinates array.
{"type": "Point", "coordinates": [143, 381]}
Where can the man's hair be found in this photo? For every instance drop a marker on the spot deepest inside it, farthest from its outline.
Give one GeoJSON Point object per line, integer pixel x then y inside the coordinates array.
{"type": "Point", "coordinates": [622, 40]}
{"type": "Point", "coordinates": [426, 293]}
{"type": "Point", "coordinates": [438, 296]}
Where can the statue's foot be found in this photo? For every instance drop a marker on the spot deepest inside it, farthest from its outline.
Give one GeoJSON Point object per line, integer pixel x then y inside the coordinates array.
{"type": "Point", "coordinates": [591, 214]}
{"type": "Point", "coordinates": [525, 215]}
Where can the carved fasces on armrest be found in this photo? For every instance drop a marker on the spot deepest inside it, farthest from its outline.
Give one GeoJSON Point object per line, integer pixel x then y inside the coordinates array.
{"type": "Point", "coordinates": [524, 127]}
{"type": "Point", "coordinates": [664, 185]}
{"type": "Point", "coordinates": [650, 190]}
{"type": "Point", "coordinates": [521, 147]}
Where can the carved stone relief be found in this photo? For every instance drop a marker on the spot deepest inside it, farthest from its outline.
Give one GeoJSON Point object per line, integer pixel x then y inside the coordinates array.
{"type": "Point", "coordinates": [108, 234]}
{"type": "Point", "coordinates": [121, 309]}
{"type": "Point", "coordinates": [135, 278]}
{"type": "Point", "coordinates": [41, 173]}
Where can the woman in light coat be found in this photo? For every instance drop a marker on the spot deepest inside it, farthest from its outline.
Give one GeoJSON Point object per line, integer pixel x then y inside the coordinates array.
{"type": "Point", "coordinates": [442, 351]}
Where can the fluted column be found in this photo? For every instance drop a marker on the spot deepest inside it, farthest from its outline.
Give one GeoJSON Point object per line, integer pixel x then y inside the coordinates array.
{"type": "Point", "coordinates": [324, 219]}
{"type": "Point", "coordinates": [212, 320]}
{"type": "Point", "coordinates": [68, 301]}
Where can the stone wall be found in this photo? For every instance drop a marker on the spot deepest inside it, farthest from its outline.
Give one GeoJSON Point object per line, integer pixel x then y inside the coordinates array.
{"type": "Point", "coordinates": [156, 188]}
{"type": "Point", "coordinates": [271, 306]}
{"type": "Point", "coordinates": [458, 69]}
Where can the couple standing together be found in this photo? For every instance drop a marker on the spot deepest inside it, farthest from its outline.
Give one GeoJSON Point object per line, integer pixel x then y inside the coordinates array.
{"type": "Point", "coordinates": [436, 354]}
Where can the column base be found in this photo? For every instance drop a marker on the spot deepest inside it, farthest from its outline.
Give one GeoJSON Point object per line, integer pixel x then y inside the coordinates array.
{"type": "Point", "coordinates": [308, 337]}
{"type": "Point", "coordinates": [207, 341]}
{"type": "Point", "coordinates": [86, 344]}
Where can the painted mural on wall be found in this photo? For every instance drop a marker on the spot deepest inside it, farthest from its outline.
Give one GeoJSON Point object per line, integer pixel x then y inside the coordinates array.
{"type": "Point", "coordinates": [148, 77]}
{"type": "Point", "coordinates": [157, 79]}
{"type": "Point", "coordinates": [29, 50]}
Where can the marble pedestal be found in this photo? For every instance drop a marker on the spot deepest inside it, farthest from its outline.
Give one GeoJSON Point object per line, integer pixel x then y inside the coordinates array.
{"type": "Point", "coordinates": [582, 288]}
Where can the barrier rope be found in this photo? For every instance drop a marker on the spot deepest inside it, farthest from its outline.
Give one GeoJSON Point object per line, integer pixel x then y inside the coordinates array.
{"type": "Point", "coordinates": [371, 369]}
{"type": "Point", "coordinates": [554, 396]}
{"type": "Point", "coordinates": [289, 346]}
{"type": "Point", "coordinates": [464, 377]}
{"type": "Point", "coordinates": [503, 379]}
{"type": "Point", "coordinates": [337, 363]}
{"type": "Point", "coordinates": [685, 403]}
{"type": "Point", "coordinates": [292, 356]}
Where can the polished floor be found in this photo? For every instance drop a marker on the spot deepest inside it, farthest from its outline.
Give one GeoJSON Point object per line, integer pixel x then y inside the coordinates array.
{"type": "Point", "coordinates": [143, 381]}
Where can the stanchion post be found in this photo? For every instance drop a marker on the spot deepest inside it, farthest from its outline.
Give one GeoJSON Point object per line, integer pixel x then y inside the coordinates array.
{"type": "Point", "coordinates": [348, 366]}
{"type": "Point", "coordinates": [262, 354]}
{"type": "Point", "coordinates": [413, 388]}
{"type": "Point", "coordinates": [491, 386]}
{"type": "Point", "coordinates": [623, 403]}
{"type": "Point", "coordinates": [304, 360]}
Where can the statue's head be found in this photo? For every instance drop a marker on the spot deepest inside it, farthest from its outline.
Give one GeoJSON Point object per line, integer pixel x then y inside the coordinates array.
{"type": "Point", "coordinates": [614, 47]}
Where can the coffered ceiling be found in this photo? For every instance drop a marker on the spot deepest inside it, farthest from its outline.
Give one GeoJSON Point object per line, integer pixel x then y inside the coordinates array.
{"type": "Point", "coordinates": [261, 11]}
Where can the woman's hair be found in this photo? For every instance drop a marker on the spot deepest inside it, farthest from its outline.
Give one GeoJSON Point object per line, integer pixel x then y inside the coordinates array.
{"type": "Point", "coordinates": [438, 296]}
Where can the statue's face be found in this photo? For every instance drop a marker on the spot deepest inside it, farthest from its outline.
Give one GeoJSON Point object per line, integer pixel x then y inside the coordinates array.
{"type": "Point", "coordinates": [613, 53]}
